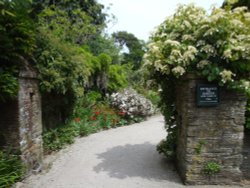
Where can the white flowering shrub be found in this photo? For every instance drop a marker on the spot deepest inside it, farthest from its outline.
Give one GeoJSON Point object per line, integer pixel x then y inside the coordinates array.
{"type": "Point", "coordinates": [131, 103]}
{"type": "Point", "coordinates": [215, 46]}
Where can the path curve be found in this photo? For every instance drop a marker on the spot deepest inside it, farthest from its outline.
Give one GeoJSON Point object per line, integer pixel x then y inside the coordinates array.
{"type": "Point", "coordinates": [124, 157]}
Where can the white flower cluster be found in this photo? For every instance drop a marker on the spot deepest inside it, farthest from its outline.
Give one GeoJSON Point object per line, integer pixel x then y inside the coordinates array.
{"type": "Point", "coordinates": [132, 103]}
{"type": "Point", "coordinates": [178, 71]}
{"type": "Point", "coordinates": [245, 85]}
{"type": "Point", "coordinates": [226, 76]}
{"type": "Point", "coordinates": [193, 41]}
{"type": "Point", "coordinates": [202, 64]}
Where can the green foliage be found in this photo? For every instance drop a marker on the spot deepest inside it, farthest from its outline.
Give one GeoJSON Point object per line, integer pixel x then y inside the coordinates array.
{"type": "Point", "coordinates": [154, 97]}
{"type": "Point", "coordinates": [89, 117]}
{"type": "Point", "coordinates": [16, 27]}
{"type": "Point", "coordinates": [105, 62]}
{"type": "Point", "coordinates": [117, 78]}
{"type": "Point", "coordinates": [62, 66]}
{"type": "Point", "coordinates": [91, 8]}
{"type": "Point", "coordinates": [8, 84]}
{"type": "Point", "coordinates": [89, 100]}
{"type": "Point", "coordinates": [168, 146]}
{"type": "Point", "coordinates": [150, 94]}
{"type": "Point", "coordinates": [56, 139]}
{"type": "Point", "coordinates": [211, 168]}
{"type": "Point", "coordinates": [85, 128]}
{"type": "Point", "coordinates": [199, 146]}
{"type": "Point", "coordinates": [134, 46]}
{"type": "Point", "coordinates": [104, 44]}
{"type": "Point", "coordinates": [236, 3]}
{"type": "Point", "coordinates": [16, 43]}
{"type": "Point", "coordinates": [215, 47]}
{"type": "Point", "coordinates": [11, 169]}
{"type": "Point", "coordinates": [77, 31]}
{"type": "Point", "coordinates": [196, 46]}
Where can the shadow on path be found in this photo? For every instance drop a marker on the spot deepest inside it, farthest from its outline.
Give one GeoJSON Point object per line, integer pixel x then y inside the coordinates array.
{"type": "Point", "coordinates": [139, 160]}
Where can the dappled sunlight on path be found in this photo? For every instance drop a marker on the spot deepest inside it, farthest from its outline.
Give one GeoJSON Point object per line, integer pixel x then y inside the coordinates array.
{"type": "Point", "coordinates": [124, 157]}
{"type": "Point", "coordinates": [138, 160]}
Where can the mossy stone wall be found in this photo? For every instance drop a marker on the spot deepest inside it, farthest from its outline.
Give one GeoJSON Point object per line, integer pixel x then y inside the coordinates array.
{"type": "Point", "coordinates": [209, 135]}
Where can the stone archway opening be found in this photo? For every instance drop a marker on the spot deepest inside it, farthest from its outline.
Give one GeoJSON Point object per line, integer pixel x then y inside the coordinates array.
{"type": "Point", "coordinates": [20, 121]}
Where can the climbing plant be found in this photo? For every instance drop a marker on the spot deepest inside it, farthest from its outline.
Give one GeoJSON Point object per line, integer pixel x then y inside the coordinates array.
{"type": "Point", "coordinates": [17, 43]}
{"type": "Point", "coordinates": [215, 46]}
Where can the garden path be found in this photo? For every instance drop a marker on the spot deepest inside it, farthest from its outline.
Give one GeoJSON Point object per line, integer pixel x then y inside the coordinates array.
{"type": "Point", "coordinates": [118, 158]}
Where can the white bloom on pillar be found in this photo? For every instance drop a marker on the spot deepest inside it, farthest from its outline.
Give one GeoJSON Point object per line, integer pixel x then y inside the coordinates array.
{"type": "Point", "coordinates": [178, 71]}
{"type": "Point", "coordinates": [202, 64]}
{"type": "Point", "coordinates": [226, 76]}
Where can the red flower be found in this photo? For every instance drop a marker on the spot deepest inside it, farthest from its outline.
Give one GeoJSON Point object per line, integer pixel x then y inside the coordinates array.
{"type": "Point", "coordinates": [77, 120]}
{"type": "Point", "coordinates": [93, 118]}
{"type": "Point", "coordinates": [122, 113]}
{"type": "Point", "coordinates": [97, 113]}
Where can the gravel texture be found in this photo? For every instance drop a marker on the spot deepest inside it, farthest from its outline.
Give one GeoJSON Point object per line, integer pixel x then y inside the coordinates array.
{"type": "Point", "coordinates": [124, 157]}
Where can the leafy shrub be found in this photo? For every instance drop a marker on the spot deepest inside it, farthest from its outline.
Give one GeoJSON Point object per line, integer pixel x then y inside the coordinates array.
{"type": "Point", "coordinates": [85, 128]}
{"type": "Point", "coordinates": [88, 120]}
{"type": "Point", "coordinates": [8, 85]}
{"type": "Point", "coordinates": [11, 169]}
{"type": "Point", "coordinates": [151, 95]}
{"type": "Point", "coordinates": [211, 168]}
{"type": "Point", "coordinates": [131, 103]}
{"type": "Point", "coordinates": [215, 47]}
{"type": "Point", "coordinates": [91, 98]}
{"type": "Point", "coordinates": [56, 139]}
{"type": "Point", "coordinates": [167, 146]}
{"type": "Point", "coordinates": [16, 43]}
{"type": "Point", "coordinates": [116, 78]}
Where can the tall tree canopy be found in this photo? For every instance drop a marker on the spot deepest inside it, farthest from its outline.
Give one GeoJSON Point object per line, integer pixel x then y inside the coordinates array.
{"type": "Point", "coordinates": [91, 7]}
{"type": "Point", "coordinates": [17, 42]}
{"type": "Point", "coordinates": [134, 48]}
{"type": "Point", "coordinates": [238, 3]}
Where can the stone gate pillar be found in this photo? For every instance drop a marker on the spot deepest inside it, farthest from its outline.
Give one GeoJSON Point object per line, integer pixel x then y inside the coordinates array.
{"type": "Point", "coordinates": [20, 121]}
{"type": "Point", "coordinates": [209, 133]}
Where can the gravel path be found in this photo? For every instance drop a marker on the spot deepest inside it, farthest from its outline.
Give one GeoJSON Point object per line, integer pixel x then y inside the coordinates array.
{"type": "Point", "coordinates": [118, 158]}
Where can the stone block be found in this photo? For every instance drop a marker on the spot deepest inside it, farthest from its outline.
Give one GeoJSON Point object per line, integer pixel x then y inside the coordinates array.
{"type": "Point", "coordinates": [20, 121]}
{"type": "Point", "coordinates": [220, 129]}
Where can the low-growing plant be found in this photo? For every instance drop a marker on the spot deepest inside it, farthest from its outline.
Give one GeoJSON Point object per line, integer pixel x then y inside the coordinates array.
{"type": "Point", "coordinates": [199, 146]}
{"type": "Point", "coordinates": [56, 139]}
{"type": "Point", "coordinates": [11, 169]}
{"type": "Point", "coordinates": [85, 128]}
{"type": "Point", "coordinates": [86, 120]}
{"type": "Point", "coordinates": [211, 168]}
{"type": "Point", "coordinates": [154, 97]}
{"type": "Point", "coordinates": [167, 146]}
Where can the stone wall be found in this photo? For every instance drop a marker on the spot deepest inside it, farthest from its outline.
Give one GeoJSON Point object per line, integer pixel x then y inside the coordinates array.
{"type": "Point", "coordinates": [30, 122]}
{"type": "Point", "coordinates": [209, 134]}
{"type": "Point", "coordinates": [20, 121]}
